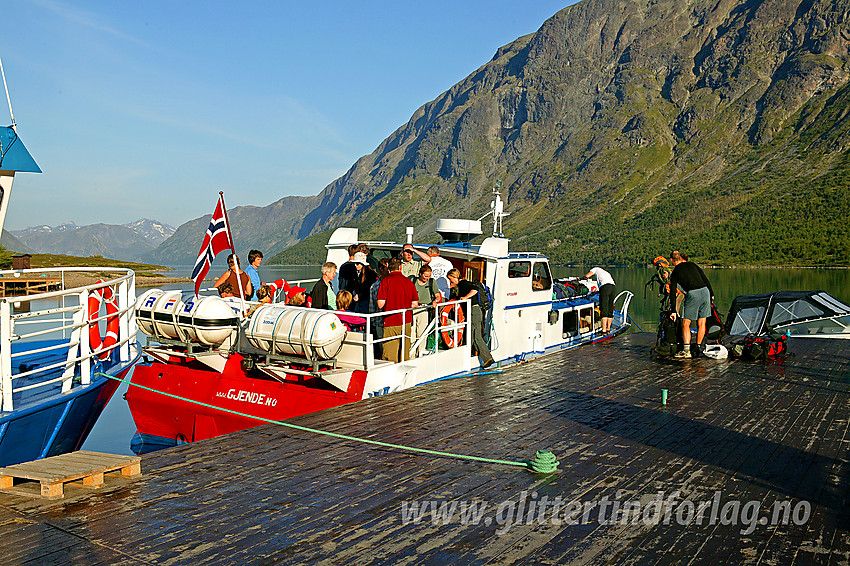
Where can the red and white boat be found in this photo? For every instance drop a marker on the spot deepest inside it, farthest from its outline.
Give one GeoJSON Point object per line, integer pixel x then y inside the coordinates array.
{"type": "Point", "coordinates": [209, 371]}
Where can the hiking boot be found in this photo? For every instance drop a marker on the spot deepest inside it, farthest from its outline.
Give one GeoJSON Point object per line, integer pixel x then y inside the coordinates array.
{"type": "Point", "coordinates": [683, 354]}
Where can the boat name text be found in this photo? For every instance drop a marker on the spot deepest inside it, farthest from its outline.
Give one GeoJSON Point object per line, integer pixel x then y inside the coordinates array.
{"type": "Point", "coordinates": [248, 397]}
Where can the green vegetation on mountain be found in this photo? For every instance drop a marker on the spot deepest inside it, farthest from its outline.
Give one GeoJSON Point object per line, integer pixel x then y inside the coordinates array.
{"type": "Point", "coordinates": [620, 131]}
{"type": "Point", "coordinates": [60, 260]}
{"type": "Point", "coordinates": [5, 258]}
{"type": "Point", "coordinates": [309, 251]}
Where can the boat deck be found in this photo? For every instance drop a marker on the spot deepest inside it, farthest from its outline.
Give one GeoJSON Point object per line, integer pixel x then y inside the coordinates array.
{"type": "Point", "coordinates": [732, 433]}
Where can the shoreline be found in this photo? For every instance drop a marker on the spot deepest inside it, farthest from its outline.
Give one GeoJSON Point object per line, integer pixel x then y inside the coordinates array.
{"type": "Point", "coordinates": [83, 279]}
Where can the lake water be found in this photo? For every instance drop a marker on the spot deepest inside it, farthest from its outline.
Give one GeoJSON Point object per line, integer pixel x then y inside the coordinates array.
{"type": "Point", "coordinates": [115, 428]}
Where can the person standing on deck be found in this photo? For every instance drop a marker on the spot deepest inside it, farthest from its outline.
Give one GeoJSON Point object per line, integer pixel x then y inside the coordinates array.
{"type": "Point", "coordinates": [377, 323]}
{"type": "Point", "coordinates": [607, 290]}
{"type": "Point", "coordinates": [255, 259]}
{"type": "Point", "coordinates": [439, 267]}
{"type": "Point", "coordinates": [236, 277]}
{"type": "Point", "coordinates": [397, 292]}
{"type": "Point", "coordinates": [360, 286]}
{"type": "Point", "coordinates": [429, 294]}
{"type": "Point", "coordinates": [462, 290]}
{"type": "Point", "coordinates": [688, 277]}
{"type": "Point", "coordinates": [348, 271]}
{"type": "Point", "coordinates": [323, 292]}
{"type": "Point", "coordinates": [409, 266]}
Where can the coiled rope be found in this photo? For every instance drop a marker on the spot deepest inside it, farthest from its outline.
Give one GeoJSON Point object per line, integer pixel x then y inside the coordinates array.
{"type": "Point", "coordinates": [544, 461]}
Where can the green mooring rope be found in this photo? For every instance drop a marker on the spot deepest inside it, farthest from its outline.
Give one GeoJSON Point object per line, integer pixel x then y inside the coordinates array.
{"type": "Point", "coordinates": [544, 461]}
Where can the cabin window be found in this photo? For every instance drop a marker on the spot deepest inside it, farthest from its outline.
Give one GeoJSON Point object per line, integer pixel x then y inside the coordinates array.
{"type": "Point", "coordinates": [570, 323]}
{"type": "Point", "coordinates": [585, 319]}
{"type": "Point", "coordinates": [747, 320]}
{"type": "Point", "coordinates": [541, 280]}
{"type": "Point", "coordinates": [519, 269]}
{"type": "Point", "coordinates": [789, 310]}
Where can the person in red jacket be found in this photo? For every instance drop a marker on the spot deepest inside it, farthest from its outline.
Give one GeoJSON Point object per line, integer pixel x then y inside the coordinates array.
{"type": "Point", "coordinates": [397, 292]}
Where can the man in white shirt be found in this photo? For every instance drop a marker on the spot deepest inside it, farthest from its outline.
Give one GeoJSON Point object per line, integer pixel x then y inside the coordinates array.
{"type": "Point", "coordinates": [607, 290]}
{"type": "Point", "coordinates": [439, 267]}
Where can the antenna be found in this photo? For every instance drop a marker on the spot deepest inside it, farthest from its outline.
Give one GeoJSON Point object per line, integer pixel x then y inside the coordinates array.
{"type": "Point", "coordinates": [497, 209]}
{"type": "Point", "coordinates": [8, 99]}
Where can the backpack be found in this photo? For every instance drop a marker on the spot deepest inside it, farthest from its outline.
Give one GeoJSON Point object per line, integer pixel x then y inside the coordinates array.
{"type": "Point", "coordinates": [485, 297]}
{"type": "Point", "coordinates": [668, 336]}
{"type": "Point", "coordinates": [762, 346]}
{"type": "Point", "coordinates": [714, 328]}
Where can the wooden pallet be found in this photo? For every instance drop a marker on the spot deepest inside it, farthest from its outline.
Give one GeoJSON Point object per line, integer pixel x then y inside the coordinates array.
{"type": "Point", "coordinates": [54, 472]}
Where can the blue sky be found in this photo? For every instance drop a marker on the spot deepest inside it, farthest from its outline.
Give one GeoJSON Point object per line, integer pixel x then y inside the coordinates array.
{"type": "Point", "coordinates": [148, 109]}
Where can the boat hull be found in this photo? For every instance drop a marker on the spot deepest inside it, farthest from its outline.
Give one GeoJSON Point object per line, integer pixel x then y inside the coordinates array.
{"type": "Point", "coordinates": [201, 403]}
{"type": "Point", "coordinates": [57, 425]}
{"type": "Point", "coordinates": [180, 401]}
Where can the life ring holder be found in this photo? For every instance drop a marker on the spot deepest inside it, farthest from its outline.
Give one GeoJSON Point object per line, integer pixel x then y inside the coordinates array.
{"type": "Point", "coordinates": [96, 297]}
{"type": "Point", "coordinates": [445, 320]}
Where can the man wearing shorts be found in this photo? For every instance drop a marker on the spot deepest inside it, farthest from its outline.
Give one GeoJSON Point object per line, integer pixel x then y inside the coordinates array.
{"type": "Point", "coordinates": [688, 277]}
{"type": "Point", "coordinates": [607, 290]}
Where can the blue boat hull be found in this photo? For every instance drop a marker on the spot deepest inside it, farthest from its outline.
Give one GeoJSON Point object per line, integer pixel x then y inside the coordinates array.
{"type": "Point", "coordinates": [60, 422]}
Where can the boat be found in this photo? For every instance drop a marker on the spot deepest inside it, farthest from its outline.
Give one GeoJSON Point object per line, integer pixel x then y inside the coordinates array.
{"type": "Point", "coordinates": [60, 358]}
{"type": "Point", "coordinates": [797, 314]}
{"type": "Point", "coordinates": [209, 371]}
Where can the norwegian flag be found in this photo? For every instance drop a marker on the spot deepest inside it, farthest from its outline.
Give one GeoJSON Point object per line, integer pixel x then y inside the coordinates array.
{"type": "Point", "coordinates": [216, 240]}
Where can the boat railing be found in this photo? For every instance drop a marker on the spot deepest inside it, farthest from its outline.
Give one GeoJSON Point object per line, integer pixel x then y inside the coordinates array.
{"type": "Point", "coordinates": [64, 327]}
{"type": "Point", "coordinates": [626, 297]}
{"type": "Point", "coordinates": [279, 295]}
{"type": "Point", "coordinates": [452, 326]}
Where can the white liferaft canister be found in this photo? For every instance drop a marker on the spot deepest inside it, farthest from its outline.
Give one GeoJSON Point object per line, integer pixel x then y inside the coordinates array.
{"type": "Point", "coordinates": [165, 315]}
{"type": "Point", "coordinates": [208, 320]}
{"type": "Point", "coordinates": [296, 331]}
{"type": "Point", "coordinates": [156, 313]}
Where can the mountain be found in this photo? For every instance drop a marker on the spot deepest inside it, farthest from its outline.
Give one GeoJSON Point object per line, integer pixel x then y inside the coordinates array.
{"type": "Point", "coordinates": [12, 244]}
{"type": "Point", "coordinates": [620, 130]}
{"type": "Point", "coordinates": [151, 230]}
{"type": "Point", "coordinates": [127, 242]}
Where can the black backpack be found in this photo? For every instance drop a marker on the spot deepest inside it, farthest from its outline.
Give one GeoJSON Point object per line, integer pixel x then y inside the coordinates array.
{"type": "Point", "coordinates": [669, 335]}
{"type": "Point", "coordinates": [485, 298]}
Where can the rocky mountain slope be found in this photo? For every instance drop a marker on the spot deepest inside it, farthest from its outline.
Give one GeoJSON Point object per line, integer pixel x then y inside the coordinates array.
{"type": "Point", "coordinates": [12, 244]}
{"type": "Point", "coordinates": [619, 130]}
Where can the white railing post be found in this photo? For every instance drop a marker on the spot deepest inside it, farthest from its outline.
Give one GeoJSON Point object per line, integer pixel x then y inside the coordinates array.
{"type": "Point", "coordinates": [73, 351]}
{"type": "Point", "coordinates": [124, 320]}
{"type": "Point", "coordinates": [132, 328]}
{"type": "Point", "coordinates": [6, 355]}
{"type": "Point", "coordinates": [370, 345]}
{"type": "Point", "coordinates": [85, 346]}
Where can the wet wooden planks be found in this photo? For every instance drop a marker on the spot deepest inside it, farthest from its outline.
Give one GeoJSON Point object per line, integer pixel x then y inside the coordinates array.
{"type": "Point", "coordinates": [745, 434]}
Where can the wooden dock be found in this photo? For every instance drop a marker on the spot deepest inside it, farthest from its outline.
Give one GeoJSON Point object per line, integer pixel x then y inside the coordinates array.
{"type": "Point", "coordinates": [762, 436]}
{"type": "Point", "coordinates": [21, 286]}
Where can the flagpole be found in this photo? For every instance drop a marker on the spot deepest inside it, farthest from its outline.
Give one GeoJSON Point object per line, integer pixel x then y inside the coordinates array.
{"type": "Point", "coordinates": [235, 257]}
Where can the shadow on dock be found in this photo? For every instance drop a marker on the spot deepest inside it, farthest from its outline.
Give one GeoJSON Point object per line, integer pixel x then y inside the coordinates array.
{"type": "Point", "coordinates": [738, 440]}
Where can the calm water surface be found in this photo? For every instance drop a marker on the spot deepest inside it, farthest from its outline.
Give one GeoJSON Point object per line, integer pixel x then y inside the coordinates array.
{"type": "Point", "coordinates": [113, 431]}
